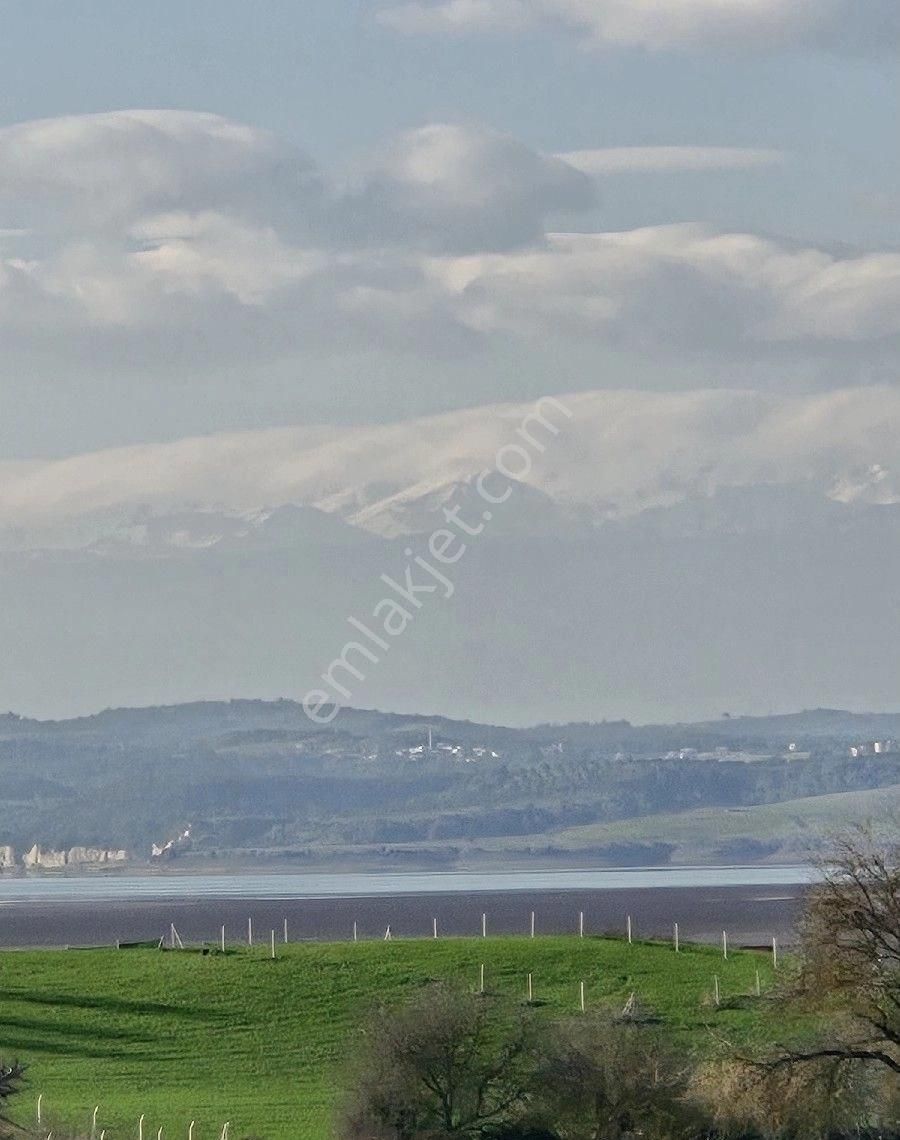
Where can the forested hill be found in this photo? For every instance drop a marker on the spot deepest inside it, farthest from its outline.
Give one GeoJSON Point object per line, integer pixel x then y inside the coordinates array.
{"type": "Point", "coordinates": [201, 719]}
{"type": "Point", "coordinates": [254, 779]}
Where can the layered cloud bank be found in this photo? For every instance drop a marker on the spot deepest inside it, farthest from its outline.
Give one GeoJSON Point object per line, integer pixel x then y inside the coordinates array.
{"type": "Point", "coordinates": [836, 25]}
{"type": "Point", "coordinates": [186, 239]}
{"type": "Point", "coordinates": [606, 455]}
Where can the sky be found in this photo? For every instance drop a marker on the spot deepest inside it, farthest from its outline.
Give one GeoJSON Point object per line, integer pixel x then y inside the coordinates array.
{"type": "Point", "coordinates": [328, 220]}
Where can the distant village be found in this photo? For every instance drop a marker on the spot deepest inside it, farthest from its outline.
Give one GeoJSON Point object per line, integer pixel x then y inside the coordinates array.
{"type": "Point", "coordinates": [39, 858]}
{"type": "Point", "coordinates": [467, 753]}
{"type": "Point", "coordinates": [45, 858]}
{"type": "Point", "coordinates": [874, 748]}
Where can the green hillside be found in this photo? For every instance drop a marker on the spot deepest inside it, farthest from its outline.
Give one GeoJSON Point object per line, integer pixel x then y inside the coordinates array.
{"type": "Point", "coordinates": [794, 827]}
{"type": "Point", "coordinates": [183, 1036]}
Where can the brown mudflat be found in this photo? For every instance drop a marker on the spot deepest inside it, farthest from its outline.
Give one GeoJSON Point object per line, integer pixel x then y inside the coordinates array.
{"type": "Point", "coordinates": [750, 915]}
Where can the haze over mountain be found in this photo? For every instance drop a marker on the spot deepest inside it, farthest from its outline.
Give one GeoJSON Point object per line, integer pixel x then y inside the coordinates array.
{"type": "Point", "coordinates": [266, 324]}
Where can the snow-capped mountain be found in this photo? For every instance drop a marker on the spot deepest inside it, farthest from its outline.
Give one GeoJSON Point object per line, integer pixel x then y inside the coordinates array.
{"type": "Point", "coordinates": [578, 462]}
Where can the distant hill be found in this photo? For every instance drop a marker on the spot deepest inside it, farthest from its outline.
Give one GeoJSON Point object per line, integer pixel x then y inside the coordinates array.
{"type": "Point", "coordinates": [198, 719]}
{"type": "Point", "coordinates": [253, 780]}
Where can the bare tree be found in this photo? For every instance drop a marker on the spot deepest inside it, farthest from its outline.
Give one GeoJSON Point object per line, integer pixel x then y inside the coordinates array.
{"type": "Point", "coordinates": [804, 1100]}
{"type": "Point", "coordinates": [449, 1063]}
{"type": "Point", "coordinates": [850, 955]}
{"type": "Point", "coordinates": [847, 978]}
{"type": "Point", "coordinates": [602, 1078]}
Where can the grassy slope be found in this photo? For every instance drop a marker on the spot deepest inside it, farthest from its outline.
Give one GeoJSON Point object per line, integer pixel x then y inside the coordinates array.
{"type": "Point", "coordinates": [796, 822]}
{"type": "Point", "coordinates": [181, 1036]}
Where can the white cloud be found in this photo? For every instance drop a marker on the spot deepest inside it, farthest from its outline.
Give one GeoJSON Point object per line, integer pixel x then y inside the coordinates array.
{"type": "Point", "coordinates": [460, 16]}
{"type": "Point", "coordinates": [838, 25]}
{"type": "Point", "coordinates": [182, 240]}
{"type": "Point", "coordinates": [107, 169]}
{"type": "Point", "coordinates": [452, 187]}
{"type": "Point", "coordinates": [223, 240]}
{"type": "Point", "coordinates": [623, 452]}
{"type": "Point", "coordinates": [670, 159]}
{"type": "Point", "coordinates": [680, 285]}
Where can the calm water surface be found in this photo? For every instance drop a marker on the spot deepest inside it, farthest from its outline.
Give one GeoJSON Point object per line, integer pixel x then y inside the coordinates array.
{"type": "Point", "coordinates": [298, 886]}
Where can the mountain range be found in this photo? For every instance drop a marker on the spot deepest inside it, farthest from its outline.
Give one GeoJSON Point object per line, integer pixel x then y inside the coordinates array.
{"type": "Point", "coordinates": [624, 574]}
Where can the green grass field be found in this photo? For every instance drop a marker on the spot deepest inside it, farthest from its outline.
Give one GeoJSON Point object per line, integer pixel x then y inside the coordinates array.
{"type": "Point", "coordinates": [181, 1036]}
{"type": "Point", "coordinates": [799, 825]}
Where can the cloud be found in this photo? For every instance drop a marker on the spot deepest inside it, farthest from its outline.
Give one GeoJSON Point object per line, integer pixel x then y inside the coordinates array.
{"type": "Point", "coordinates": [660, 25]}
{"type": "Point", "coordinates": [457, 188]}
{"type": "Point", "coordinates": [669, 159]}
{"type": "Point", "coordinates": [105, 170]}
{"type": "Point", "coordinates": [133, 223]}
{"type": "Point", "coordinates": [623, 452]}
{"type": "Point", "coordinates": [682, 285]}
{"type": "Point", "coordinates": [172, 241]}
{"type": "Point", "coordinates": [461, 17]}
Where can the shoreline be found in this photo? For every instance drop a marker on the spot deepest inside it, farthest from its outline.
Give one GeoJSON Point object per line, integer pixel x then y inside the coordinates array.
{"type": "Point", "coordinates": [752, 915]}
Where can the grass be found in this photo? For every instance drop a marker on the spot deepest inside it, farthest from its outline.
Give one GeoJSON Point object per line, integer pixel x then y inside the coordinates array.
{"type": "Point", "coordinates": [182, 1036]}
{"type": "Point", "coordinates": [800, 824]}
